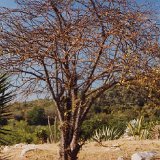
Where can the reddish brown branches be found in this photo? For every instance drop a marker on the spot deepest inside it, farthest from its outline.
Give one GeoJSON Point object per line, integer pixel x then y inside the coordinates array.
{"type": "Point", "coordinates": [76, 50]}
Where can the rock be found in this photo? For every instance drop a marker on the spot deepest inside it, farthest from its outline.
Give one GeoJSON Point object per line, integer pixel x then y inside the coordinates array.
{"type": "Point", "coordinates": [20, 145]}
{"type": "Point", "coordinates": [30, 147]}
{"type": "Point", "coordinates": [143, 155]}
{"type": "Point", "coordinates": [6, 149]}
{"type": "Point", "coordinates": [120, 158]}
{"type": "Point", "coordinates": [27, 148]}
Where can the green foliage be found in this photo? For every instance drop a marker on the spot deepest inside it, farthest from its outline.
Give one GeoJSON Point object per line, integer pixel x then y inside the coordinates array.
{"type": "Point", "coordinates": [56, 132]}
{"type": "Point", "coordinates": [3, 121]}
{"type": "Point", "coordinates": [5, 97]}
{"type": "Point", "coordinates": [107, 133]}
{"type": "Point", "coordinates": [42, 134]}
{"type": "Point", "coordinates": [23, 133]}
{"type": "Point", "coordinates": [36, 116]}
{"type": "Point", "coordinates": [139, 128]}
{"type": "Point", "coordinates": [90, 125]}
{"type": "Point", "coordinates": [121, 104]}
{"type": "Point", "coordinates": [116, 107]}
{"type": "Point", "coordinates": [19, 116]}
{"type": "Point", "coordinates": [20, 109]}
{"type": "Point", "coordinates": [127, 102]}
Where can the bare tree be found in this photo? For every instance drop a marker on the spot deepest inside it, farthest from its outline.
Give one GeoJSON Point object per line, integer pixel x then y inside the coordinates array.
{"type": "Point", "coordinates": [76, 50]}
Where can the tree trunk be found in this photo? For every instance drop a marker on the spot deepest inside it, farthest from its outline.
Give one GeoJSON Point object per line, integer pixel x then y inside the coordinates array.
{"type": "Point", "coordinates": [68, 151]}
{"type": "Point", "coordinates": [70, 129]}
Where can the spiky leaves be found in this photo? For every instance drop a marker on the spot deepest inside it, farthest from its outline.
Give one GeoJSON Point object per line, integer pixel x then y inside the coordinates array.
{"type": "Point", "coordinates": [5, 97]}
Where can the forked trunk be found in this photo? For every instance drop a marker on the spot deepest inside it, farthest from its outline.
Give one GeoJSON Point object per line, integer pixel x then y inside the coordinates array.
{"type": "Point", "coordinates": [68, 151]}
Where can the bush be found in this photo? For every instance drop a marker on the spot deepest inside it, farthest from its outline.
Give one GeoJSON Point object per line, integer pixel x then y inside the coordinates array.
{"type": "Point", "coordinates": [3, 121]}
{"type": "Point", "coordinates": [19, 117]}
{"type": "Point", "coordinates": [24, 133]}
{"type": "Point", "coordinates": [36, 116]}
{"type": "Point", "coordinates": [42, 134]}
{"type": "Point", "coordinates": [89, 126]}
{"type": "Point", "coordinates": [21, 133]}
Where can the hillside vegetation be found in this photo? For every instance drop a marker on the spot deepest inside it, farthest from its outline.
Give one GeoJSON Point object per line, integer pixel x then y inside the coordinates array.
{"type": "Point", "coordinates": [114, 109]}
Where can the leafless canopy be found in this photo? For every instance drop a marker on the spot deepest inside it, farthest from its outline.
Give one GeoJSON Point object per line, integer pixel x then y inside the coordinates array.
{"type": "Point", "coordinates": [76, 49]}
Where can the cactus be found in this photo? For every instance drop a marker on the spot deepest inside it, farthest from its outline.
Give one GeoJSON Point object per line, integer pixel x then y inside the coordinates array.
{"type": "Point", "coordinates": [54, 135]}
{"type": "Point", "coordinates": [55, 130]}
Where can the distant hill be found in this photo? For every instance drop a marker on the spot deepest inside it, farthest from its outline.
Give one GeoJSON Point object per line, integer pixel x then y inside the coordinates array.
{"type": "Point", "coordinates": [21, 108]}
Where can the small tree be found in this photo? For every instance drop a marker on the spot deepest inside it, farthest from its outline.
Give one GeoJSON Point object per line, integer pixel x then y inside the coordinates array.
{"type": "Point", "coordinates": [74, 51]}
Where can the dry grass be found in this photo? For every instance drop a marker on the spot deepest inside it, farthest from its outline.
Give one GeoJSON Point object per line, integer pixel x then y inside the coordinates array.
{"type": "Point", "coordinates": [93, 151]}
{"type": "Point", "coordinates": [117, 148]}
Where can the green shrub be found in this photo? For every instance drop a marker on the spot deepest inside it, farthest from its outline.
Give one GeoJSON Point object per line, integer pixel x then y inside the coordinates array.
{"type": "Point", "coordinates": [89, 126]}
{"type": "Point", "coordinates": [3, 121]}
{"type": "Point", "coordinates": [21, 132]}
{"type": "Point", "coordinates": [24, 133]}
{"type": "Point", "coordinates": [19, 116]}
{"type": "Point", "coordinates": [36, 116]}
{"type": "Point", "coordinates": [42, 134]}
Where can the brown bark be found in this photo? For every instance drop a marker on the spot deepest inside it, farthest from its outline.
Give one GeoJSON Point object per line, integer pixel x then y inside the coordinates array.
{"type": "Point", "coordinates": [69, 146]}
{"type": "Point", "coordinates": [68, 151]}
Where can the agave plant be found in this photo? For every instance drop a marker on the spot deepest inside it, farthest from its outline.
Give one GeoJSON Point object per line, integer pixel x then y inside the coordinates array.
{"type": "Point", "coordinates": [5, 97]}
{"type": "Point", "coordinates": [107, 133]}
{"type": "Point", "coordinates": [134, 127]}
{"type": "Point", "coordinates": [139, 128]}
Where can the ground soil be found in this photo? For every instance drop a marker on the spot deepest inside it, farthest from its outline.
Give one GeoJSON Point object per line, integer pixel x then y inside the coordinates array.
{"type": "Point", "coordinates": [91, 150]}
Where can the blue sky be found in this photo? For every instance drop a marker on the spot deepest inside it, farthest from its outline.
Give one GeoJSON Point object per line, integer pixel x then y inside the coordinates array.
{"type": "Point", "coordinates": [155, 5]}
{"type": "Point", "coordinates": [7, 3]}
{"type": "Point", "coordinates": [10, 3]}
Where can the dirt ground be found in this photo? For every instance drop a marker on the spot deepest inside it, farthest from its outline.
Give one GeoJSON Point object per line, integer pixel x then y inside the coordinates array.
{"type": "Point", "coordinates": [90, 151]}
